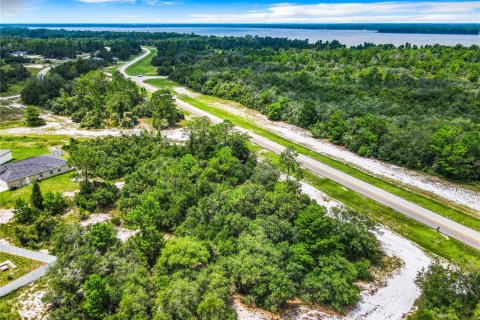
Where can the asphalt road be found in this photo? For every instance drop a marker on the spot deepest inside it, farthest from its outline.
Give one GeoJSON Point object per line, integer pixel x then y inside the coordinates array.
{"type": "Point", "coordinates": [427, 217]}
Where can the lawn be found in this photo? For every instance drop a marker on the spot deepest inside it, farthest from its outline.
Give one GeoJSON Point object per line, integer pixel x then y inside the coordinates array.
{"type": "Point", "coordinates": [60, 183]}
{"type": "Point", "coordinates": [23, 265]}
{"type": "Point", "coordinates": [32, 145]}
{"type": "Point", "coordinates": [144, 66]}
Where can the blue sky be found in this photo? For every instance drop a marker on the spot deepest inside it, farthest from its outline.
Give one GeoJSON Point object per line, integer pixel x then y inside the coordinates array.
{"type": "Point", "coordinates": [215, 11]}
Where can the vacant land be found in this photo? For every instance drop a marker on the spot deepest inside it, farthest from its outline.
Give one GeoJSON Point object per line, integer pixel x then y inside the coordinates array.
{"type": "Point", "coordinates": [23, 265]}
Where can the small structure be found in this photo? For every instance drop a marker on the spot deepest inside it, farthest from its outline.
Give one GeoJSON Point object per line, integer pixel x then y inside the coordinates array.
{"type": "Point", "coordinates": [20, 173]}
{"type": "Point", "coordinates": [18, 53]}
{"type": "Point", "coordinates": [5, 155]}
{"type": "Point", "coordinates": [7, 264]}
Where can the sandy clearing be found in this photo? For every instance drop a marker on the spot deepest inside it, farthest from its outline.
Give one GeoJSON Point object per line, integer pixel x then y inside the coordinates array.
{"type": "Point", "coordinates": [175, 135]}
{"type": "Point", "coordinates": [10, 97]}
{"type": "Point", "coordinates": [245, 312]}
{"type": "Point", "coordinates": [185, 91]}
{"type": "Point", "coordinates": [119, 184]}
{"type": "Point", "coordinates": [427, 183]}
{"type": "Point", "coordinates": [31, 306]}
{"type": "Point", "coordinates": [123, 234]}
{"type": "Point", "coordinates": [59, 125]}
{"type": "Point", "coordinates": [5, 215]}
{"type": "Point", "coordinates": [95, 218]}
{"type": "Point", "coordinates": [5, 242]}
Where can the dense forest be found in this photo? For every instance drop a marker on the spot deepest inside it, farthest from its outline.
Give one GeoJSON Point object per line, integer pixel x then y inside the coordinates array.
{"type": "Point", "coordinates": [417, 107]}
{"type": "Point", "coordinates": [211, 221]}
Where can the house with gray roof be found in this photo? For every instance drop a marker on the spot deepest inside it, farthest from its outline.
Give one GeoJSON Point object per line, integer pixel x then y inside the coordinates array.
{"type": "Point", "coordinates": [5, 155]}
{"type": "Point", "coordinates": [20, 173]}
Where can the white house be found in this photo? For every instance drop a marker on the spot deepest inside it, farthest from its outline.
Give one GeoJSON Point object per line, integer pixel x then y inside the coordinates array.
{"type": "Point", "coordinates": [5, 155]}
{"type": "Point", "coordinates": [20, 173]}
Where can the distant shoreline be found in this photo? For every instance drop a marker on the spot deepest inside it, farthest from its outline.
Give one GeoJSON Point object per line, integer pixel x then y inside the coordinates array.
{"type": "Point", "coordinates": [407, 28]}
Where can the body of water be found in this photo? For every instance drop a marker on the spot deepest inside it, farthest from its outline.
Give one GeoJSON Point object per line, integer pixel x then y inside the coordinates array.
{"type": "Point", "coordinates": [347, 37]}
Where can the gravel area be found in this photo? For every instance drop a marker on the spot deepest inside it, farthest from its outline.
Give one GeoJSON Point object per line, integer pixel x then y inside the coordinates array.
{"type": "Point", "coordinates": [5, 215]}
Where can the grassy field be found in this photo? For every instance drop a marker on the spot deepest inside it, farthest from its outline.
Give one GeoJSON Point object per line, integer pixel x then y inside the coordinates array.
{"type": "Point", "coordinates": [113, 68]}
{"type": "Point", "coordinates": [32, 145]}
{"type": "Point", "coordinates": [23, 265]}
{"type": "Point", "coordinates": [10, 117]}
{"type": "Point", "coordinates": [437, 243]}
{"type": "Point", "coordinates": [455, 214]}
{"type": "Point", "coordinates": [144, 66]}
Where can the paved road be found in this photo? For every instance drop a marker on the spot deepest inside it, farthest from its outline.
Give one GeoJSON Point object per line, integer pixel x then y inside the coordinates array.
{"type": "Point", "coordinates": [43, 72]}
{"type": "Point", "coordinates": [427, 217]}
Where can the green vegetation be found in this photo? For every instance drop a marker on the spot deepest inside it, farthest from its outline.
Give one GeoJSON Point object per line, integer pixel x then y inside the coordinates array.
{"type": "Point", "coordinates": [415, 107]}
{"type": "Point", "coordinates": [32, 117]}
{"type": "Point", "coordinates": [144, 66]}
{"type": "Point", "coordinates": [234, 228]}
{"type": "Point", "coordinates": [436, 243]}
{"type": "Point", "coordinates": [24, 266]}
{"type": "Point", "coordinates": [431, 204]}
{"type": "Point", "coordinates": [448, 294]}
{"type": "Point", "coordinates": [32, 145]}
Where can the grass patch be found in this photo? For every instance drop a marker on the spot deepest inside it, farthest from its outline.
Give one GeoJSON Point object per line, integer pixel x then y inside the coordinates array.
{"type": "Point", "coordinates": [437, 243]}
{"type": "Point", "coordinates": [113, 68]}
{"type": "Point", "coordinates": [14, 88]}
{"type": "Point", "coordinates": [30, 146]}
{"type": "Point", "coordinates": [23, 265]}
{"type": "Point", "coordinates": [144, 66]}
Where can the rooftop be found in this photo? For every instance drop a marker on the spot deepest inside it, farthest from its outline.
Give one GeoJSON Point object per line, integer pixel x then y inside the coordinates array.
{"type": "Point", "coordinates": [25, 168]}
{"type": "Point", "coordinates": [4, 152]}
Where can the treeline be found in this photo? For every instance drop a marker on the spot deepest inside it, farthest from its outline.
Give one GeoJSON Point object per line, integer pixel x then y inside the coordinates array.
{"type": "Point", "coordinates": [417, 107]}
{"type": "Point", "coordinates": [11, 73]}
{"type": "Point", "coordinates": [211, 222]}
{"type": "Point", "coordinates": [78, 90]}
{"type": "Point", "coordinates": [63, 44]}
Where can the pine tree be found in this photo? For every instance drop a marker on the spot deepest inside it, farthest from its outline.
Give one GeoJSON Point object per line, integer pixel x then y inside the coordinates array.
{"type": "Point", "coordinates": [32, 117]}
{"type": "Point", "coordinates": [36, 198]}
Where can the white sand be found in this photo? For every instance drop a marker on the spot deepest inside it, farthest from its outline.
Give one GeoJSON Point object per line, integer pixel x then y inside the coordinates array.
{"type": "Point", "coordinates": [123, 234]}
{"type": "Point", "coordinates": [31, 306]}
{"type": "Point", "coordinates": [185, 91]}
{"type": "Point", "coordinates": [5, 215]}
{"type": "Point", "coordinates": [119, 184]}
{"type": "Point", "coordinates": [175, 135]}
{"type": "Point", "coordinates": [95, 218]}
{"type": "Point", "coordinates": [436, 186]}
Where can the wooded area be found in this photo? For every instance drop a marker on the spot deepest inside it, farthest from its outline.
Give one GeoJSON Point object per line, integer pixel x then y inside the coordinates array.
{"type": "Point", "coordinates": [415, 107]}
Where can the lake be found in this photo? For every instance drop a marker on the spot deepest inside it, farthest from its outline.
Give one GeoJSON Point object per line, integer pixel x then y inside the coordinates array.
{"type": "Point", "coordinates": [347, 37]}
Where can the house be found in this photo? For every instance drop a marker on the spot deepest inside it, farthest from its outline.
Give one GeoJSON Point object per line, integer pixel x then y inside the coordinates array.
{"type": "Point", "coordinates": [20, 173]}
{"type": "Point", "coordinates": [5, 155]}
{"type": "Point", "coordinates": [19, 53]}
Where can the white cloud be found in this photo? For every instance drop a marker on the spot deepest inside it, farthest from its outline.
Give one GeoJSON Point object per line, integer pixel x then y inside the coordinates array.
{"type": "Point", "coordinates": [9, 8]}
{"type": "Point", "coordinates": [106, 1]}
{"type": "Point", "coordinates": [395, 11]}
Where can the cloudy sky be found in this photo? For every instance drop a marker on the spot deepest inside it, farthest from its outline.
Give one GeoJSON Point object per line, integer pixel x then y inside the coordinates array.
{"type": "Point", "coordinates": [215, 11]}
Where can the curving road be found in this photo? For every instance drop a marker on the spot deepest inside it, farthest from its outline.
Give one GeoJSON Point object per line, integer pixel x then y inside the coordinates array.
{"type": "Point", "coordinates": [427, 217]}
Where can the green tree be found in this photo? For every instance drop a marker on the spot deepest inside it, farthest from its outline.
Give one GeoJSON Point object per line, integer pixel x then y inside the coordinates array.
{"type": "Point", "coordinates": [36, 198]}
{"type": "Point", "coordinates": [97, 296]}
{"type": "Point", "coordinates": [164, 111]}
{"type": "Point", "coordinates": [102, 236]}
{"type": "Point", "coordinates": [23, 213]}
{"type": "Point", "coordinates": [32, 117]}
{"type": "Point", "coordinates": [288, 161]}
{"type": "Point", "coordinates": [180, 253]}
{"type": "Point", "coordinates": [54, 203]}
